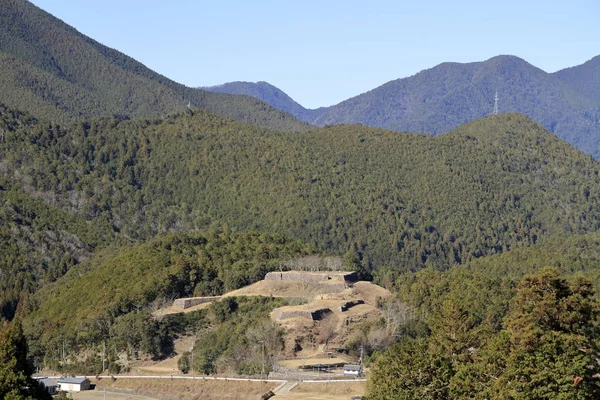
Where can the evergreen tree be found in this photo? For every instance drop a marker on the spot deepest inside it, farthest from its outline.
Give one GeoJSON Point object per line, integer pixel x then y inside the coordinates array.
{"type": "Point", "coordinates": [15, 372]}
{"type": "Point", "coordinates": [184, 363]}
{"type": "Point", "coordinates": [408, 370]}
{"type": "Point", "coordinates": [553, 328]}
{"type": "Point", "coordinates": [548, 349]}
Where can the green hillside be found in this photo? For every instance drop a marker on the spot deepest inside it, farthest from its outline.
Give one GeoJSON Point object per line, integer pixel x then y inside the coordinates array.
{"type": "Point", "coordinates": [120, 286]}
{"type": "Point", "coordinates": [395, 199]}
{"type": "Point", "coordinates": [54, 72]}
{"type": "Point", "coordinates": [39, 244]}
{"type": "Point", "coordinates": [484, 286]}
{"type": "Point", "coordinates": [534, 338]}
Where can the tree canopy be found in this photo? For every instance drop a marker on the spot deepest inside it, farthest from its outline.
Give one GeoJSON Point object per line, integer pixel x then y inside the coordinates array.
{"type": "Point", "coordinates": [545, 348]}
{"type": "Point", "coordinates": [15, 370]}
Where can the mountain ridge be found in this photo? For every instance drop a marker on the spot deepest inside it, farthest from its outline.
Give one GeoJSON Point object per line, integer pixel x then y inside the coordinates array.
{"type": "Point", "coordinates": [438, 99]}
{"type": "Point", "coordinates": [56, 73]}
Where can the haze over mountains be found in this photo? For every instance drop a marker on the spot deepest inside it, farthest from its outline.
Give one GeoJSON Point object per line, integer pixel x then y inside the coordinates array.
{"type": "Point", "coordinates": [439, 99]}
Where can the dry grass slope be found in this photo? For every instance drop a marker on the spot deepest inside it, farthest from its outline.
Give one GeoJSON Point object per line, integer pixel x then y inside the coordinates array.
{"type": "Point", "coordinates": [164, 389]}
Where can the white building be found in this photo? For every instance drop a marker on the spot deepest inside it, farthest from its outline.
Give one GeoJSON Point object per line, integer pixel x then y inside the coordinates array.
{"type": "Point", "coordinates": [352, 370]}
{"type": "Point", "coordinates": [73, 384]}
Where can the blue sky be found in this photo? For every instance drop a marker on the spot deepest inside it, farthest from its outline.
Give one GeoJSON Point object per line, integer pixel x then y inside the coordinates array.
{"type": "Point", "coordinates": [323, 52]}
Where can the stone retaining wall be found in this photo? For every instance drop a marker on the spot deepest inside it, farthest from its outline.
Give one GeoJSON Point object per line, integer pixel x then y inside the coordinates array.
{"type": "Point", "coordinates": [188, 302]}
{"type": "Point", "coordinates": [311, 277]}
{"type": "Point", "coordinates": [312, 315]}
{"type": "Point", "coordinates": [350, 304]}
{"type": "Point", "coordinates": [295, 314]}
{"type": "Point", "coordinates": [330, 287]}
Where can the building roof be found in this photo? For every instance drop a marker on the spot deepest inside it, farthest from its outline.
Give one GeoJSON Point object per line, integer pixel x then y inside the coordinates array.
{"type": "Point", "coordinates": [350, 367]}
{"type": "Point", "coordinates": [47, 382]}
{"type": "Point", "coordinates": [70, 379]}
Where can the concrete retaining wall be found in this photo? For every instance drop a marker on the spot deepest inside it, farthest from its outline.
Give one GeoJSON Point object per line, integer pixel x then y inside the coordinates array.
{"type": "Point", "coordinates": [188, 302]}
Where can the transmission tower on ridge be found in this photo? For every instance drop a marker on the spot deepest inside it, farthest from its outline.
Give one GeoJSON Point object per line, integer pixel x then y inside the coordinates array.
{"type": "Point", "coordinates": [496, 103]}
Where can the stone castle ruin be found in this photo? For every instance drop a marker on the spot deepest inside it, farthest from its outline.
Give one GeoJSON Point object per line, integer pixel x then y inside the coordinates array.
{"type": "Point", "coordinates": [326, 281]}
{"type": "Point", "coordinates": [188, 302]}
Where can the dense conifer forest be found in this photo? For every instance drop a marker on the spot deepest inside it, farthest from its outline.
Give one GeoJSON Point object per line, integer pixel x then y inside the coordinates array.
{"type": "Point", "coordinates": [395, 199]}
{"type": "Point", "coordinates": [105, 189]}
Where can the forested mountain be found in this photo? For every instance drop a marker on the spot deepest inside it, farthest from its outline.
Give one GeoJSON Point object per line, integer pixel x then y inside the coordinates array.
{"type": "Point", "coordinates": [401, 202]}
{"type": "Point", "coordinates": [114, 190]}
{"type": "Point", "coordinates": [267, 93]}
{"type": "Point", "coordinates": [54, 72]}
{"type": "Point", "coordinates": [533, 338]}
{"type": "Point", "coordinates": [584, 78]}
{"type": "Point", "coordinates": [439, 99]}
{"type": "Point", "coordinates": [39, 242]}
{"type": "Point", "coordinates": [398, 199]}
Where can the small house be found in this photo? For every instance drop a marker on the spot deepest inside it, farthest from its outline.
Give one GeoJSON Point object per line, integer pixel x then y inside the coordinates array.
{"type": "Point", "coordinates": [73, 384]}
{"type": "Point", "coordinates": [50, 385]}
{"type": "Point", "coordinates": [352, 370]}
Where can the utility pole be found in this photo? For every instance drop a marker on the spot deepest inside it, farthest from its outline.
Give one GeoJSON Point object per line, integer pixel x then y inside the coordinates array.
{"type": "Point", "coordinates": [360, 361]}
{"type": "Point", "coordinates": [104, 356]}
{"type": "Point", "coordinates": [192, 362]}
{"type": "Point", "coordinates": [262, 371]}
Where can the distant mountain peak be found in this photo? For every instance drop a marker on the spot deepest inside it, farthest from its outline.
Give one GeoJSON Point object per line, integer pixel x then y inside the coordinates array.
{"type": "Point", "coordinates": [441, 98]}
{"type": "Point", "coordinates": [506, 58]}
{"type": "Point", "coordinates": [266, 92]}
